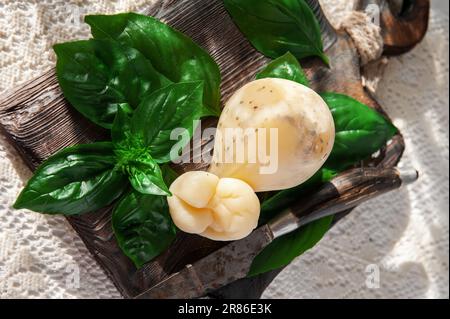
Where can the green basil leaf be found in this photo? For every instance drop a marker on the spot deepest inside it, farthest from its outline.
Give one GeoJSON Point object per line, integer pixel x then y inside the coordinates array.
{"type": "Point", "coordinates": [172, 53]}
{"type": "Point", "coordinates": [284, 249]}
{"type": "Point", "coordinates": [76, 180]}
{"type": "Point", "coordinates": [285, 67]}
{"type": "Point", "coordinates": [175, 106]}
{"type": "Point", "coordinates": [142, 226]}
{"type": "Point", "coordinates": [98, 76]}
{"type": "Point", "coordinates": [145, 176]}
{"type": "Point", "coordinates": [275, 27]}
{"type": "Point", "coordinates": [360, 130]}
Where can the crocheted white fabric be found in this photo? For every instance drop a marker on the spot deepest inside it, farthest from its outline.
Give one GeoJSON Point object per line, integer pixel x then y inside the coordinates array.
{"type": "Point", "coordinates": [404, 234]}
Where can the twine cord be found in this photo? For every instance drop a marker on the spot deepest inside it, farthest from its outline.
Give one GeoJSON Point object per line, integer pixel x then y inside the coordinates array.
{"type": "Point", "coordinates": [365, 34]}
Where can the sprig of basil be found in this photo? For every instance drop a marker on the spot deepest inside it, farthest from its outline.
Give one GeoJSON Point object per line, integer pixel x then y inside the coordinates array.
{"type": "Point", "coordinates": [75, 180]}
{"type": "Point", "coordinates": [98, 76]}
{"type": "Point", "coordinates": [275, 27]}
{"type": "Point", "coordinates": [141, 79]}
{"type": "Point", "coordinates": [172, 54]}
{"type": "Point", "coordinates": [285, 67]}
{"type": "Point", "coordinates": [360, 132]}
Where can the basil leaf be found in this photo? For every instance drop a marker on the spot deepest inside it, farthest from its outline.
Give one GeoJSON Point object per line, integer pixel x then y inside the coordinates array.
{"type": "Point", "coordinates": [175, 106]}
{"type": "Point", "coordinates": [360, 130]}
{"type": "Point", "coordinates": [76, 180]}
{"type": "Point", "coordinates": [285, 67]}
{"type": "Point", "coordinates": [284, 249]}
{"type": "Point", "coordinates": [172, 53]}
{"type": "Point", "coordinates": [98, 76]}
{"type": "Point", "coordinates": [145, 176]}
{"type": "Point", "coordinates": [142, 226]}
{"type": "Point", "coordinates": [275, 27]}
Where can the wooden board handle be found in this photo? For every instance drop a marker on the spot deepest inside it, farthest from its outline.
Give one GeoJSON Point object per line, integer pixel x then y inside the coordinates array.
{"type": "Point", "coordinates": [402, 26]}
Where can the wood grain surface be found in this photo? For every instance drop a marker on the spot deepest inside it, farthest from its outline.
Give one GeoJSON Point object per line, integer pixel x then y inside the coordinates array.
{"type": "Point", "coordinates": [39, 122]}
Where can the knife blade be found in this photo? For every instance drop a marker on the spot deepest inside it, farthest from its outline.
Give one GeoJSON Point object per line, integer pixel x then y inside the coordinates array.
{"type": "Point", "coordinates": [233, 261]}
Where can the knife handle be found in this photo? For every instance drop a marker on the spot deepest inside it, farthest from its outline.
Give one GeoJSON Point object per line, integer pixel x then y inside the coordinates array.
{"type": "Point", "coordinates": [345, 191]}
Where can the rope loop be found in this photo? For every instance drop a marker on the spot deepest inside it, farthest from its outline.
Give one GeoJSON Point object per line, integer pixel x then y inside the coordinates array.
{"type": "Point", "coordinates": [365, 34]}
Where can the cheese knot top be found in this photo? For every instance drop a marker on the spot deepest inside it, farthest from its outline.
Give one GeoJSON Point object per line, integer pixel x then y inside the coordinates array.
{"type": "Point", "coordinates": [216, 208]}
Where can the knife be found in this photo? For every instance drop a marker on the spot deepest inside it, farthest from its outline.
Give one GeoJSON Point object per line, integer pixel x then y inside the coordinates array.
{"type": "Point", "coordinates": [233, 261]}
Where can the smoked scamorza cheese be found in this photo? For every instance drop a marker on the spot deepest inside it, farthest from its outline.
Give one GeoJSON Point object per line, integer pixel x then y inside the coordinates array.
{"type": "Point", "coordinates": [217, 208]}
{"type": "Point", "coordinates": [293, 128]}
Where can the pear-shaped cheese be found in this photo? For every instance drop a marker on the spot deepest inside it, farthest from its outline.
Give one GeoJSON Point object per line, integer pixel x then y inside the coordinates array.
{"type": "Point", "coordinates": [293, 128]}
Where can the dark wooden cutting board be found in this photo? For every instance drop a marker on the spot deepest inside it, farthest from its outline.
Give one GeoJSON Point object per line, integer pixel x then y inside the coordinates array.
{"type": "Point", "coordinates": [39, 122]}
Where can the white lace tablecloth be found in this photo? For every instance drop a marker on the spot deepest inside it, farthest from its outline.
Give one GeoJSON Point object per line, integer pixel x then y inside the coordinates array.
{"type": "Point", "coordinates": [402, 237]}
